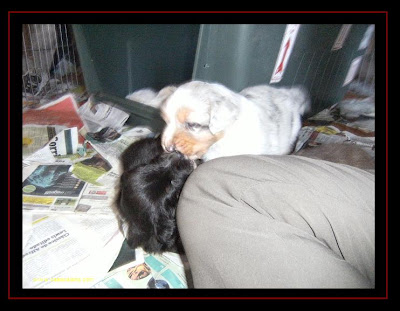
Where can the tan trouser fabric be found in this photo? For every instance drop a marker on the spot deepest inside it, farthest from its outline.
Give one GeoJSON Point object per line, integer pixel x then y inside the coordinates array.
{"type": "Point", "coordinates": [278, 222]}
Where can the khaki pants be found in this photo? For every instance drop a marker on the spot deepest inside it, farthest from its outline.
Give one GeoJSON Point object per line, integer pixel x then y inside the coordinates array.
{"type": "Point", "coordinates": [278, 222]}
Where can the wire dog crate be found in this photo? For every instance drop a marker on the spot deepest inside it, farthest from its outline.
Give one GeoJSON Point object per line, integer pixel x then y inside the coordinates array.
{"type": "Point", "coordinates": [50, 62]}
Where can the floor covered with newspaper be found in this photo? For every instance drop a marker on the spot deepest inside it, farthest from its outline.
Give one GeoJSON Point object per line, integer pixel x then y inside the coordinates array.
{"type": "Point", "coordinates": [70, 169]}
{"type": "Point", "coordinates": [347, 127]}
{"type": "Point", "coordinates": [71, 237]}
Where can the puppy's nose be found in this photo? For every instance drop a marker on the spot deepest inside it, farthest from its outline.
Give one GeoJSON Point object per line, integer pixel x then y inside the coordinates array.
{"type": "Point", "coordinates": [170, 148]}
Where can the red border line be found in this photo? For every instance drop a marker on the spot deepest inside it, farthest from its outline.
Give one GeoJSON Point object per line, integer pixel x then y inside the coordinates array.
{"type": "Point", "coordinates": [212, 12]}
{"type": "Point", "coordinates": [387, 155]}
{"type": "Point", "coordinates": [199, 298]}
{"type": "Point", "coordinates": [9, 156]}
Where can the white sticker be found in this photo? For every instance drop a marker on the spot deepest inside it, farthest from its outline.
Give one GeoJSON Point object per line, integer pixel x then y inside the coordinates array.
{"type": "Point", "coordinates": [287, 44]}
{"type": "Point", "coordinates": [353, 70]}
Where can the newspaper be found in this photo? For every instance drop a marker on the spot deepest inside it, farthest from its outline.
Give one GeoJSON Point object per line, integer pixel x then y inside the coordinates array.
{"type": "Point", "coordinates": [36, 137]}
{"type": "Point", "coordinates": [316, 135]}
{"type": "Point", "coordinates": [97, 199]}
{"type": "Point", "coordinates": [167, 271]}
{"type": "Point", "coordinates": [91, 169]}
{"type": "Point", "coordinates": [112, 150]}
{"type": "Point", "coordinates": [97, 115]}
{"type": "Point", "coordinates": [93, 198]}
{"type": "Point", "coordinates": [63, 143]}
{"type": "Point", "coordinates": [68, 251]}
{"type": "Point", "coordinates": [52, 188]}
{"type": "Point", "coordinates": [63, 185]}
{"type": "Point", "coordinates": [62, 112]}
{"type": "Point", "coordinates": [87, 164]}
{"type": "Point", "coordinates": [158, 271]}
{"type": "Point", "coordinates": [357, 114]}
{"type": "Point", "coordinates": [71, 236]}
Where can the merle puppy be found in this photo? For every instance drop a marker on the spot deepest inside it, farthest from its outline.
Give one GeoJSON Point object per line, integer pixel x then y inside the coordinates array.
{"type": "Point", "coordinates": [150, 186]}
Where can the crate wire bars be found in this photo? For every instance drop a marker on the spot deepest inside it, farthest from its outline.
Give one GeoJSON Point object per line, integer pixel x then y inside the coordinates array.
{"type": "Point", "coordinates": [50, 64]}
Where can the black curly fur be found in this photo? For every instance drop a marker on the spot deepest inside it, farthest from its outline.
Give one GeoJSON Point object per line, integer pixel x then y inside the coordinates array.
{"type": "Point", "coordinates": [141, 152]}
{"type": "Point", "coordinates": [149, 191]}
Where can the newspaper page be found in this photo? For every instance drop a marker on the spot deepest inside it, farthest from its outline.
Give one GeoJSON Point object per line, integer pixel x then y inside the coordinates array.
{"type": "Point", "coordinates": [35, 137]}
{"type": "Point", "coordinates": [85, 198]}
{"type": "Point", "coordinates": [97, 115]}
{"type": "Point", "coordinates": [90, 170]}
{"type": "Point", "coordinates": [112, 151]}
{"type": "Point", "coordinates": [316, 135]}
{"type": "Point", "coordinates": [52, 188]}
{"type": "Point", "coordinates": [97, 199]}
{"type": "Point", "coordinates": [87, 164]}
{"type": "Point", "coordinates": [69, 250]}
{"type": "Point", "coordinates": [111, 178]}
{"type": "Point", "coordinates": [64, 143]}
{"type": "Point", "coordinates": [131, 275]}
{"type": "Point", "coordinates": [63, 111]}
{"type": "Point", "coordinates": [158, 271]}
{"type": "Point", "coordinates": [28, 168]}
{"type": "Point", "coordinates": [168, 271]}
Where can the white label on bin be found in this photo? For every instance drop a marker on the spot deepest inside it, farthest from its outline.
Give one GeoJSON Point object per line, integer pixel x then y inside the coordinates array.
{"type": "Point", "coordinates": [287, 44]}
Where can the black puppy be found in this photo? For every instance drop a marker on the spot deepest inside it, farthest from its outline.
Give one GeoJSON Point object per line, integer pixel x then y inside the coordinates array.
{"type": "Point", "coordinates": [150, 186]}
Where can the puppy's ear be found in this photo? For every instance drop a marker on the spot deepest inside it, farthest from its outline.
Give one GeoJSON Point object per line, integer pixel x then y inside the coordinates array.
{"type": "Point", "coordinates": [164, 93]}
{"type": "Point", "coordinates": [222, 114]}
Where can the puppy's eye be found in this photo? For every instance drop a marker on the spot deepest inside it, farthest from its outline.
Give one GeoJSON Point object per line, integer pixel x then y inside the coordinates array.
{"type": "Point", "coordinates": [192, 126]}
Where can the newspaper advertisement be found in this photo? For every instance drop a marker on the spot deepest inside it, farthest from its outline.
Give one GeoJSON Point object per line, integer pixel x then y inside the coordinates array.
{"type": "Point", "coordinates": [64, 251]}
{"type": "Point", "coordinates": [90, 170]}
{"type": "Point", "coordinates": [158, 271]}
{"type": "Point", "coordinates": [87, 164]}
{"type": "Point", "coordinates": [168, 271]}
{"type": "Point", "coordinates": [53, 188]}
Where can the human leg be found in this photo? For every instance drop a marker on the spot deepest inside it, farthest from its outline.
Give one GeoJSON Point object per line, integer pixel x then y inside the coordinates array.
{"type": "Point", "coordinates": [278, 222]}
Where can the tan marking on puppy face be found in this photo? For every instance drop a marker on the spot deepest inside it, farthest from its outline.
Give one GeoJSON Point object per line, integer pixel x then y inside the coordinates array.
{"type": "Point", "coordinates": [178, 135]}
{"type": "Point", "coordinates": [182, 115]}
{"type": "Point", "coordinates": [194, 147]}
